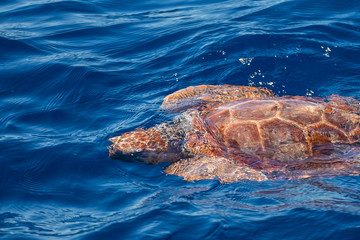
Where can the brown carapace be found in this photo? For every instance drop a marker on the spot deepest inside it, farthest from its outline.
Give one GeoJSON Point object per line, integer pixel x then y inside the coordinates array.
{"type": "Point", "coordinates": [232, 133]}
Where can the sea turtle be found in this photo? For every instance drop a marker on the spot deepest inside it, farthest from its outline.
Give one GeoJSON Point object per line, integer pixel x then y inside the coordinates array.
{"type": "Point", "coordinates": [231, 133]}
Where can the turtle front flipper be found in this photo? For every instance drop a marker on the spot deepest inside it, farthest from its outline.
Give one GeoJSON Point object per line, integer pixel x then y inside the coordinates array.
{"type": "Point", "coordinates": [203, 94]}
{"type": "Point", "coordinates": [205, 167]}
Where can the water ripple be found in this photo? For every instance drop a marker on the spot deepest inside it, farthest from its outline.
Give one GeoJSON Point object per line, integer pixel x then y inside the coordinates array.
{"type": "Point", "coordinates": [74, 73]}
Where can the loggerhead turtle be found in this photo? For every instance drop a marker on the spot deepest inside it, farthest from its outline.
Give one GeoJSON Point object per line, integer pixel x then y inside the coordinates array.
{"type": "Point", "coordinates": [230, 133]}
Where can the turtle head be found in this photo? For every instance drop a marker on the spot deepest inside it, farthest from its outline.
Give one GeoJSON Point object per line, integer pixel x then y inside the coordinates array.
{"type": "Point", "coordinates": [148, 146]}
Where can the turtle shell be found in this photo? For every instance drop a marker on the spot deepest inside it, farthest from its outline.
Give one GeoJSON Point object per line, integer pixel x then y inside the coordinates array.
{"type": "Point", "coordinates": [281, 129]}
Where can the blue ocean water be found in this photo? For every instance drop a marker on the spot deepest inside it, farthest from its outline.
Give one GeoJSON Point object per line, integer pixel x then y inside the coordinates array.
{"type": "Point", "coordinates": [74, 73]}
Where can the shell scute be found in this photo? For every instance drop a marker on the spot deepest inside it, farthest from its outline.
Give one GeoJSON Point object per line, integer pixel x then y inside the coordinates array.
{"type": "Point", "coordinates": [285, 139]}
{"type": "Point", "coordinates": [218, 120]}
{"type": "Point", "coordinates": [254, 110]}
{"type": "Point", "coordinates": [302, 113]}
{"type": "Point", "coordinates": [326, 133]}
{"type": "Point", "coordinates": [243, 135]}
{"type": "Point", "coordinates": [346, 121]}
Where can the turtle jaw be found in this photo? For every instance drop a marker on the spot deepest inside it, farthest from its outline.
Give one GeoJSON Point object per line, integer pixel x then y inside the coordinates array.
{"type": "Point", "coordinates": [137, 157]}
{"type": "Point", "coordinates": [117, 151]}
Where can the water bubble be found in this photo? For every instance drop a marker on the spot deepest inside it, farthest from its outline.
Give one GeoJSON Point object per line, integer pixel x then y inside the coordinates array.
{"type": "Point", "coordinates": [309, 92]}
{"type": "Point", "coordinates": [246, 60]}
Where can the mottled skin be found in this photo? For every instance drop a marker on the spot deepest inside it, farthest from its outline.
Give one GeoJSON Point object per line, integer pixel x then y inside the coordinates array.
{"type": "Point", "coordinates": [236, 132]}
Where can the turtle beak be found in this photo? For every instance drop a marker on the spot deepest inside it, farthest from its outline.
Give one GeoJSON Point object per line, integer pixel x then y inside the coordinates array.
{"type": "Point", "coordinates": [112, 152]}
{"type": "Point", "coordinates": [114, 149]}
{"type": "Point", "coordinates": [116, 152]}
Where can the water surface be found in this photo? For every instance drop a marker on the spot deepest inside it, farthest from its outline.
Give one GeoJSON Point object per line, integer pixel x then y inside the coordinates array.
{"type": "Point", "coordinates": [74, 73]}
